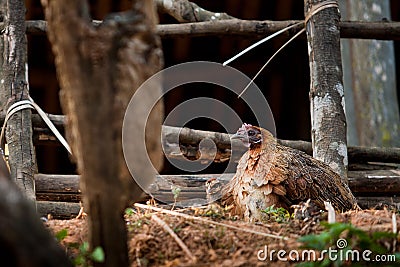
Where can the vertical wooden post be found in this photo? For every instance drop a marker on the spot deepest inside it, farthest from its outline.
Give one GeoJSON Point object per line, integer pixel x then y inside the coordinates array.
{"type": "Point", "coordinates": [326, 88]}
{"type": "Point", "coordinates": [370, 80]}
{"type": "Point", "coordinates": [99, 70]}
{"type": "Point", "coordinates": [13, 88]}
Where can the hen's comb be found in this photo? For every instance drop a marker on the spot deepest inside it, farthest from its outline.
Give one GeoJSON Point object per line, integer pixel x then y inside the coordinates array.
{"type": "Point", "coordinates": [245, 127]}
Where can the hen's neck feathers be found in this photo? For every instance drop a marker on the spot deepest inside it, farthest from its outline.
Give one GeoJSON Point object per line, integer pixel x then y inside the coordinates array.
{"type": "Point", "coordinates": [268, 142]}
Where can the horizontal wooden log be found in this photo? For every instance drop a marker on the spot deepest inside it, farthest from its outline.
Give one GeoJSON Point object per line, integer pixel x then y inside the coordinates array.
{"type": "Point", "coordinates": [56, 183]}
{"type": "Point", "coordinates": [189, 140]}
{"type": "Point", "coordinates": [60, 210]}
{"type": "Point", "coordinates": [380, 30]}
{"type": "Point", "coordinates": [63, 210]}
{"type": "Point", "coordinates": [223, 142]}
{"type": "Point", "coordinates": [385, 182]}
{"type": "Point", "coordinates": [59, 197]}
{"type": "Point", "coordinates": [373, 202]}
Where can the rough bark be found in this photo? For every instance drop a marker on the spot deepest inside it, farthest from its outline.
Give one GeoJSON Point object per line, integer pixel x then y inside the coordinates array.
{"type": "Point", "coordinates": [58, 209]}
{"type": "Point", "coordinates": [186, 11]}
{"type": "Point", "coordinates": [99, 69]}
{"type": "Point", "coordinates": [380, 30]}
{"type": "Point", "coordinates": [370, 81]}
{"type": "Point", "coordinates": [189, 140]}
{"type": "Point", "coordinates": [13, 88]}
{"type": "Point", "coordinates": [328, 131]}
{"type": "Point", "coordinates": [23, 239]}
{"type": "Point", "coordinates": [375, 181]}
{"type": "Point", "coordinates": [370, 186]}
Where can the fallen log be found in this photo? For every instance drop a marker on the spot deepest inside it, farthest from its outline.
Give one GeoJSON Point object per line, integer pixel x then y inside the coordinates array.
{"type": "Point", "coordinates": [364, 184]}
{"type": "Point", "coordinates": [56, 183]}
{"type": "Point", "coordinates": [64, 210]}
{"type": "Point", "coordinates": [189, 140]}
{"type": "Point", "coordinates": [381, 182]}
{"type": "Point", "coordinates": [59, 197]}
{"type": "Point", "coordinates": [59, 210]}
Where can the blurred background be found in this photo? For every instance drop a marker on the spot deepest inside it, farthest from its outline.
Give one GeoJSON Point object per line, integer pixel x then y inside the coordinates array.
{"type": "Point", "coordinates": [285, 82]}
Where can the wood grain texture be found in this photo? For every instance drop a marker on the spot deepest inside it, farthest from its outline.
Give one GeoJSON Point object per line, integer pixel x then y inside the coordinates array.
{"type": "Point", "coordinates": [99, 69]}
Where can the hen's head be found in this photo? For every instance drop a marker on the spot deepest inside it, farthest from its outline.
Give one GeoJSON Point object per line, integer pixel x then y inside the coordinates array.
{"type": "Point", "coordinates": [252, 135]}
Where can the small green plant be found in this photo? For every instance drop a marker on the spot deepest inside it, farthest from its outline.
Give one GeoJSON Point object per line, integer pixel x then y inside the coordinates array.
{"type": "Point", "coordinates": [279, 215]}
{"type": "Point", "coordinates": [347, 240]}
{"type": "Point", "coordinates": [86, 256]}
{"type": "Point", "coordinates": [129, 211]}
{"type": "Point", "coordinates": [176, 191]}
{"type": "Point", "coordinates": [61, 235]}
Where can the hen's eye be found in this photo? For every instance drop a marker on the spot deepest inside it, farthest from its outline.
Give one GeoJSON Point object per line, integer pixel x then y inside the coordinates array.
{"type": "Point", "coordinates": [251, 132]}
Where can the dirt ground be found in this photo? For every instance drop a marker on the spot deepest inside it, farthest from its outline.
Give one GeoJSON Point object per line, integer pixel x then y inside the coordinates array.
{"type": "Point", "coordinates": [209, 236]}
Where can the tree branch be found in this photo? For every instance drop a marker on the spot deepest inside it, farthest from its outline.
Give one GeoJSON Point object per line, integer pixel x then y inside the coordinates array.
{"type": "Point", "coordinates": [189, 140]}
{"type": "Point", "coordinates": [185, 11]}
{"type": "Point", "coordinates": [380, 30]}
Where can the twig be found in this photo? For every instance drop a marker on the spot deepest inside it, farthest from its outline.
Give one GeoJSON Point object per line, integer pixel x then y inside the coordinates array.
{"type": "Point", "coordinates": [168, 229]}
{"type": "Point", "coordinates": [189, 217]}
{"type": "Point", "coordinates": [269, 37]}
{"type": "Point", "coordinates": [394, 223]}
{"type": "Point", "coordinates": [269, 60]}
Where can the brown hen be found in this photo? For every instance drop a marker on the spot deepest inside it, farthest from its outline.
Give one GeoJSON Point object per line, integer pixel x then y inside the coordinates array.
{"type": "Point", "coordinates": [272, 174]}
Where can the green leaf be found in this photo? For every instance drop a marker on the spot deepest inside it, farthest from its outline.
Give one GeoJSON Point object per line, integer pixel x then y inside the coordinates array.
{"type": "Point", "coordinates": [84, 248]}
{"type": "Point", "coordinates": [79, 260]}
{"type": "Point", "coordinates": [97, 254]}
{"type": "Point", "coordinates": [129, 211]}
{"type": "Point", "coordinates": [60, 235]}
{"type": "Point", "coordinates": [176, 191]}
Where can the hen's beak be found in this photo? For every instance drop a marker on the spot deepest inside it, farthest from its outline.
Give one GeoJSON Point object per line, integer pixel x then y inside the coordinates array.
{"type": "Point", "coordinates": [237, 136]}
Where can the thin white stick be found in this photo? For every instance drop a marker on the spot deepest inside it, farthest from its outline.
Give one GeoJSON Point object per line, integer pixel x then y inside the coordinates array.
{"type": "Point", "coordinates": [168, 229]}
{"type": "Point", "coordinates": [269, 60]}
{"type": "Point", "coordinates": [331, 212]}
{"type": "Point", "coordinates": [260, 42]}
{"type": "Point", "coordinates": [174, 213]}
{"type": "Point", "coordinates": [394, 223]}
{"type": "Point", "coordinates": [51, 125]}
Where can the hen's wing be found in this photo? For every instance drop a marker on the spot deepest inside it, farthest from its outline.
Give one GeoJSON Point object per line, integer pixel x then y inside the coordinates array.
{"type": "Point", "coordinates": [310, 178]}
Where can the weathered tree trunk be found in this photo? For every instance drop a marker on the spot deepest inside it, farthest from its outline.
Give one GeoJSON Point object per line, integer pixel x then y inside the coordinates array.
{"type": "Point", "coordinates": [23, 239]}
{"type": "Point", "coordinates": [99, 70]}
{"type": "Point", "coordinates": [13, 88]}
{"type": "Point", "coordinates": [328, 130]}
{"type": "Point", "coordinates": [370, 80]}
